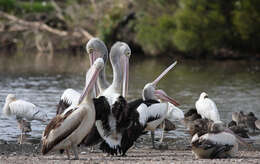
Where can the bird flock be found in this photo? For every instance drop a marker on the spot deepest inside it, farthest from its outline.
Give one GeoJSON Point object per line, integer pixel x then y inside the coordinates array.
{"type": "Point", "coordinates": [102, 115]}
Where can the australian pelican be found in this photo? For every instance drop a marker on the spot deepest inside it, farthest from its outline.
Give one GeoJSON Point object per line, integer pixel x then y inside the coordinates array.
{"type": "Point", "coordinates": [67, 130]}
{"type": "Point", "coordinates": [23, 110]}
{"type": "Point", "coordinates": [70, 97]}
{"type": "Point", "coordinates": [217, 142]}
{"type": "Point", "coordinates": [110, 129]}
{"type": "Point", "coordinates": [145, 114]}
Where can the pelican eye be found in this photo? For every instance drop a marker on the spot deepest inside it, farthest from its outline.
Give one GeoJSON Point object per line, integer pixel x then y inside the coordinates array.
{"type": "Point", "coordinates": [90, 50]}
{"type": "Point", "coordinates": [128, 54]}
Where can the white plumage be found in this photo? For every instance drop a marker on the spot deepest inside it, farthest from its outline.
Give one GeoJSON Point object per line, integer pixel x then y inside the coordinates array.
{"type": "Point", "coordinates": [222, 138]}
{"type": "Point", "coordinates": [22, 109]}
{"type": "Point", "coordinates": [158, 110]}
{"type": "Point", "coordinates": [207, 108]}
{"type": "Point", "coordinates": [70, 96]}
{"type": "Point", "coordinates": [174, 113]}
{"type": "Point", "coordinates": [68, 130]}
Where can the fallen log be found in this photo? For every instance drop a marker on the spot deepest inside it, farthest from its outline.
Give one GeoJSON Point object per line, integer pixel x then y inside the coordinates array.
{"type": "Point", "coordinates": [43, 27]}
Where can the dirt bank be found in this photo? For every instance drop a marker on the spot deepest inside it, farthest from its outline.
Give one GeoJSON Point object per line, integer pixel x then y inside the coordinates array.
{"type": "Point", "coordinates": [177, 152]}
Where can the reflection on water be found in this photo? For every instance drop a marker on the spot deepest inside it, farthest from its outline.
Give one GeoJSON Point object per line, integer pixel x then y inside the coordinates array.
{"type": "Point", "coordinates": [41, 79]}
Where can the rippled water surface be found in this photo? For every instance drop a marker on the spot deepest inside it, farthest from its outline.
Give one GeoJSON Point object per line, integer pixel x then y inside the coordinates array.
{"type": "Point", "coordinates": [41, 79]}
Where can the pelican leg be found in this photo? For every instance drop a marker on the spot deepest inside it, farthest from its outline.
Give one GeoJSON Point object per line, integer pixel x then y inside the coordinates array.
{"type": "Point", "coordinates": [163, 127]}
{"type": "Point", "coordinates": [92, 149]}
{"type": "Point", "coordinates": [21, 139]}
{"type": "Point", "coordinates": [152, 136]}
{"type": "Point", "coordinates": [75, 151]}
{"type": "Point", "coordinates": [68, 153]}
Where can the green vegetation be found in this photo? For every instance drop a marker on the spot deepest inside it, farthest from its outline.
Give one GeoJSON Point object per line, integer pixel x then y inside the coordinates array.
{"type": "Point", "coordinates": [191, 27]}
{"type": "Point", "coordinates": [25, 6]}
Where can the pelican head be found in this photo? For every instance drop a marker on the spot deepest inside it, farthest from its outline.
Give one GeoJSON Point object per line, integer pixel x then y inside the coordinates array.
{"type": "Point", "coordinates": [10, 98]}
{"type": "Point", "coordinates": [96, 49]}
{"type": "Point", "coordinates": [203, 95]}
{"type": "Point", "coordinates": [91, 78]}
{"type": "Point", "coordinates": [119, 56]}
{"type": "Point", "coordinates": [150, 92]}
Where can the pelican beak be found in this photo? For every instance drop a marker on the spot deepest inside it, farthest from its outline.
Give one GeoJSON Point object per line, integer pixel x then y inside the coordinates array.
{"type": "Point", "coordinates": [160, 94]}
{"type": "Point", "coordinates": [93, 55]}
{"type": "Point", "coordinates": [125, 65]}
{"type": "Point", "coordinates": [163, 74]}
{"type": "Point", "coordinates": [91, 77]}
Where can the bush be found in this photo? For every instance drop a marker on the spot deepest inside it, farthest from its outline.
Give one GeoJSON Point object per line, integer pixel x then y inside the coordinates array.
{"type": "Point", "coordinates": [246, 20]}
{"type": "Point", "coordinates": [155, 35]}
{"type": "Point", "coordinates": [200, 26]}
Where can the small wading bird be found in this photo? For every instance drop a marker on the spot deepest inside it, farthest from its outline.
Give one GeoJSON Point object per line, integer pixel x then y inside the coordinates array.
{"type": "Point", "coordinates": [213, 140]}
{"type": "Point", "coordinates": [22, 110]}
{"type": "Point", "coordinates": [145, 114]}
{"type": "Point", "coordinates": [207, 108]}
{"type": "Point", "coordinates": [67, 130]}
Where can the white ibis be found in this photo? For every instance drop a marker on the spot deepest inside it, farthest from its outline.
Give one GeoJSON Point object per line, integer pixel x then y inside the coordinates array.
{"type": "Point", "coordinates": [70, 97]}
{"type": "Point", "coordinates": [218, 142]}
{"type": "Point", "coordinates": [22, 110]}
{"type": "Point", "coordinates": [207, 108]}
{"type": "Point", "coordinates": [145, 114]}
{"type": "Point", "coordinates": [67, 130]}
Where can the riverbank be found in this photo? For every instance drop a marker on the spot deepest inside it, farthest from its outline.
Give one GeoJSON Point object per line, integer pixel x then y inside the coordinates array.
{"type": "Point", "coordinates": [177, 151]}
{"type": "Point", "coordinates": [134, 155]}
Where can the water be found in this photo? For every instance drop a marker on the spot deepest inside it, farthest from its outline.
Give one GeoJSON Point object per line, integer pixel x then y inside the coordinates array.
{"type": "Point", "coordinates": [41, 79]}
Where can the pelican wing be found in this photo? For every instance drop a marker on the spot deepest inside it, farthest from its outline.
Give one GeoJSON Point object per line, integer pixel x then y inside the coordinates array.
{"type": "Point", "coordinates": [154, 112]}
{"type": "Point", "coordinates": [112, 140]}
{"type": "Point", "coordinates": [70, 97]}
{"type": "Point", "coordinates": [60, 128]}
{"type": "Point", "coordinates": [23, 109]}
{"type": "Point", "coordinates": [174, 113]}
{"type": "Point", "coordinates": [222, 138]}
{"type": "Point", "coordinates": [209, 149]}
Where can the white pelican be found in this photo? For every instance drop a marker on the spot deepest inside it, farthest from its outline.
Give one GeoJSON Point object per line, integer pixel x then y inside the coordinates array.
{"type": "Point", "coordinates": [145, 114]}
{"type": "Point", "coordinates": [207, 108]}
{"type": "Point", "coordinates": [218, 142]}
{"type": "Point", "coordinates": [70, 97]}
{"type": "Point", "coordinates": [22, 109]}
{"type": "Point", "coordinates": [96, 48]}
{"type": "Point", "coordinates": [109, 128]}
{"type": "Point", "coordinates": [67, 130]}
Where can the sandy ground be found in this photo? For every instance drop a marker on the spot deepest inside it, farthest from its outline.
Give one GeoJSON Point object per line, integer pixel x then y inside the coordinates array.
{"type": "Point", "coordinates": [172, 152]}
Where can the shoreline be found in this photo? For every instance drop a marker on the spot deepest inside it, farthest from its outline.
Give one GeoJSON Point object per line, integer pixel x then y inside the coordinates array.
{"type": "Point", "coordinates": [178, 151]}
